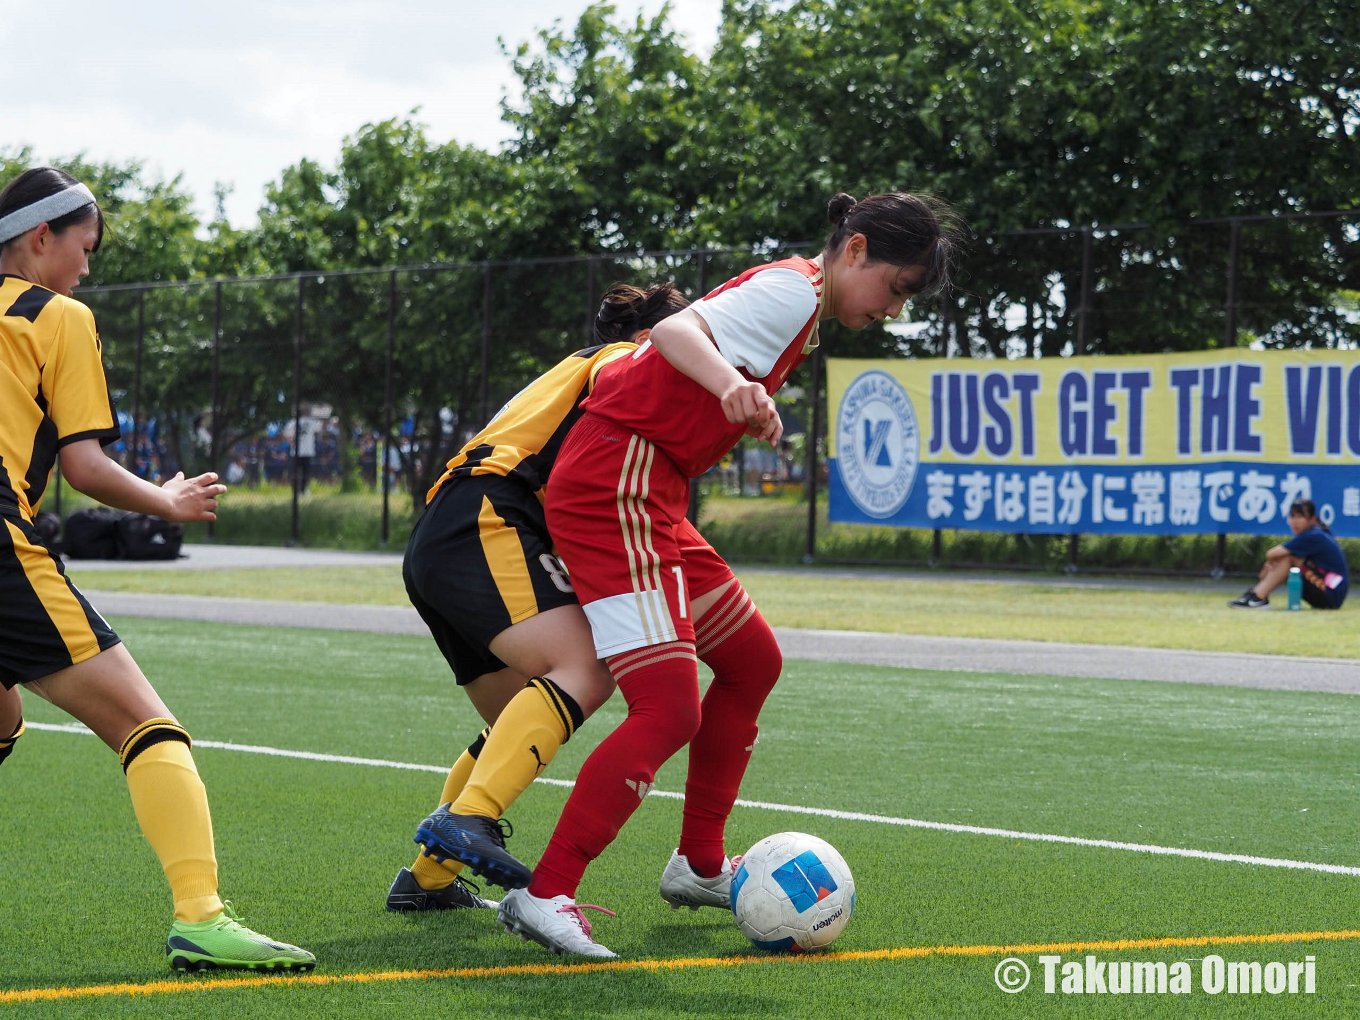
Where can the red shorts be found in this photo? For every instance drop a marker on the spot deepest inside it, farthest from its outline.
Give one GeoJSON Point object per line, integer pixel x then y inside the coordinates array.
{"type": "Point", "coordinates": [616, 511]}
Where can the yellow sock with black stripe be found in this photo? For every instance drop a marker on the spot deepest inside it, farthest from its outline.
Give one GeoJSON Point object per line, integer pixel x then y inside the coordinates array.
{"type": "Point", "coordinates": [7, 743]}
{"type": "Point", "coordinates": [538, 720]}
{"type": "Point", "coordinates": [172, 808]}
{"type": "Point", "coordinates": [434, 875]}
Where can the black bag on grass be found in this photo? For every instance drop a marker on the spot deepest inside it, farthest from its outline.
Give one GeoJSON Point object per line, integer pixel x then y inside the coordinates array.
{"type": "Point", "coordinates": [48, 527]}
{"type": "Point", "coordinates": [92, 534]}
{"type": "Point", "coordinates": [141, 537]}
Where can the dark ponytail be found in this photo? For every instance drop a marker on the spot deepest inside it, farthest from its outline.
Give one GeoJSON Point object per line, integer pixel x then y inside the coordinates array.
{"type": "Point", "coordinates": [626, 310]}
{"type": "Point", "coordinates": [38, 183]}
{"type": "Point", "coordinates": [903, 230]}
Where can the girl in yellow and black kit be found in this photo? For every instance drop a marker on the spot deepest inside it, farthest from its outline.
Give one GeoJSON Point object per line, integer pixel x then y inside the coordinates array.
{"type": "Point", "coordinates": [481, 571]}
{"type": "Point", "coordinates": [56, 405]}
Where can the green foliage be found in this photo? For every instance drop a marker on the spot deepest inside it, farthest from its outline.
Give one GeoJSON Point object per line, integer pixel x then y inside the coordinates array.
{"type": "Point", "coordinates": [1045, 114]}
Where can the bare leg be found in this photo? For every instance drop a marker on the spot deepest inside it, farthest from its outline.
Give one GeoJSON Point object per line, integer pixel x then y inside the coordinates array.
{"type": "Point", "coordinates": [11, 711]}
{"type": "Point", "coordinates": [491, 692]}
{"type": "Point", "coordinates": [1275, 574]}
{"type": "Point", "coordinates": [558, 644]}
{"type": "Point", "coordinates": [703, 603]}
{"type": "Point", "coordinates": [108, 693]}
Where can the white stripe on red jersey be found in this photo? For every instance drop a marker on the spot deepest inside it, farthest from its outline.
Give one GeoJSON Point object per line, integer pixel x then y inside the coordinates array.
{"type": "Point", "coordinates": [642, 617]}
{"type": "Point", "coordinates": [648, 396]}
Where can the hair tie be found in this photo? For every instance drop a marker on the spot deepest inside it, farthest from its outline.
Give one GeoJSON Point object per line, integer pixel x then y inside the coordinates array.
{"type": "Point", "coordinates": [44, 210]}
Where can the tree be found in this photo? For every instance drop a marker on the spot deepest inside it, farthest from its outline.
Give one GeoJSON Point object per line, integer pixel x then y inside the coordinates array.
{"type": "Point", "coordinates": [1060, 113]}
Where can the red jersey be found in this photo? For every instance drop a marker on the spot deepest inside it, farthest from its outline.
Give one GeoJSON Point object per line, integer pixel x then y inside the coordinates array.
{"type": "Point", "coordinates": [764, 323]}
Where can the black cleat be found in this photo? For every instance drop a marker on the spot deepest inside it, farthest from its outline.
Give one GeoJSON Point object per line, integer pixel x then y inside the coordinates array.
{"type": "Point", "coordinates": [1249, 600]}
{"type": "Point", "coordinates": [406, 895]}
{"type": "Point", "coordinates": [476, 841]}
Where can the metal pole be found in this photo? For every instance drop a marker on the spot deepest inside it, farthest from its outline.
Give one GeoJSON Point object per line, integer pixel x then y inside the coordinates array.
{"type": "Point", "coordinates": [486, 342]}
{"type": "Point", "coordinates": [1084, 310]}
{"type": "Point", "coordinates": [1220, 557]}
{"type": "Point", "coordinates": [1234, 262]}
{"type": "Point", "coordinates": [297, 408]}
{"type": "Point", "coordinates": [593, 297]}
{"type": "Point", "coordinates": [936, 547]}
{"type": "Point", "coordinates": [387, 397]}
{"type": "Point", "coordinates": [137, 383]}
{"type": "Point", "coordinates": [386, 400]}
{"type": "Point", "coordinates": [1073, 543]}
{"type": "Point", "coordinates": [693, 512]}
{"type": "Point", "coordinates": [814, 430]}
{"type": "Point", "coordinates": [216, 391]}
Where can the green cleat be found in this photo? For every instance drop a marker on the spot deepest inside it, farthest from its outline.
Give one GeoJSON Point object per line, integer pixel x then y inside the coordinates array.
{"type": "Point", "coordinates": [223, 941]}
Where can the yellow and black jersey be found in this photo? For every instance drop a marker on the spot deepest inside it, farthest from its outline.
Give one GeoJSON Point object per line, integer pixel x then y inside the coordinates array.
{"type": "Point", "coordinates": [522, 441]}
{"type": "Point", "coordinates": [52, 388]}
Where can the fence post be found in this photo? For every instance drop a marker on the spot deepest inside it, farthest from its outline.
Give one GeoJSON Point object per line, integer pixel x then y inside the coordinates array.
{"type": "Point", "coordinates": [297, 406]}
{"type": "Point", "coordinates": [1084, 309]}
{"type": "Point", "coordinates": [592, 297]}
{"type": "Point", "coordinates": [936, 547]}
{"type": "Point", "coordinates": [693, 512]}
{"type": "Point", "coordinates": [814, 430]}
{"type": "Point", "coordinates": [486, 343]}
{"type": "Point", "coordinates": [1073, 544]}
{"type": "Point", "coordinates": [216, 398]}
{"type": "Point", "coordinates": [387, 399]}
{"type": "Point", "coordinates": [137, 382]}
{"type": "Point", "coordinates": [1230, 306]}
{"type": "Point", "coordinates": [1220, 558]}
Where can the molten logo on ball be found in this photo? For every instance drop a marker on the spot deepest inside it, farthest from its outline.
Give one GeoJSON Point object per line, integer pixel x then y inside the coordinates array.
{"type": "Point", "coordinates": [792, 892]}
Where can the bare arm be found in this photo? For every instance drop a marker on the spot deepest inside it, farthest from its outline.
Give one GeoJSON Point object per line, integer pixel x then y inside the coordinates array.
{"type": "Point", "coordinates": [685, 341]}
{"type": "Point", "coordinates": [1277, 552]}
{"type": "Point", "coordinates": [84, 465]}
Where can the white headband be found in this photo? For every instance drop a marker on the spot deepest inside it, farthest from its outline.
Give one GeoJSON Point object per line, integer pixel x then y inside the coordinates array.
{"type": "Point", "coordinates": [44, 210]}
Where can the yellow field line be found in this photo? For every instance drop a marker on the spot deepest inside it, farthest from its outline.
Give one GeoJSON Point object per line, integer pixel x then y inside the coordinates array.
{"type": "Point", "coordinates": [195, 984]}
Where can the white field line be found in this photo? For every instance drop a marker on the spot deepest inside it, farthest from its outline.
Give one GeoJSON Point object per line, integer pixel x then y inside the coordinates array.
{"type": "Point", "coordinates": [851, 816]}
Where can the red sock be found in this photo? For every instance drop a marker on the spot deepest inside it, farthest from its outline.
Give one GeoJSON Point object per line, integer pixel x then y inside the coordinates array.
{"type": "Point", "coordinates": [661, 686]}
{"type": "Point", "coordinates": [737, 644]}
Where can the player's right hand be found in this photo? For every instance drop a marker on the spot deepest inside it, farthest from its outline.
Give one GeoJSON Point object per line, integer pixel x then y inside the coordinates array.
{"type": "Point", "coordinates": [747, 403]}
{"type": "Point", "coordinates": [770, 432]}
{"type": "Point", "coordinates": [193, 499]}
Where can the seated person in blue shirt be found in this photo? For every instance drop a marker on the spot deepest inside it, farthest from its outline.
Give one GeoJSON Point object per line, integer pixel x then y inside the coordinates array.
{"type": "Point", "coordinates": [1326, 576]}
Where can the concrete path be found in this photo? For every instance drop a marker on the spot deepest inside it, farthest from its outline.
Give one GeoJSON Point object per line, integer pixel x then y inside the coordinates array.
{"type": "Point", "coordinates": [220, 557]}
{"type": "Point", "coordinates": [901, 650]}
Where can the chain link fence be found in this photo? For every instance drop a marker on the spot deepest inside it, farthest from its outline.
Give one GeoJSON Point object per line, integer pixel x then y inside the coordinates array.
{"type": "Point", "coordinates": [330, 401]}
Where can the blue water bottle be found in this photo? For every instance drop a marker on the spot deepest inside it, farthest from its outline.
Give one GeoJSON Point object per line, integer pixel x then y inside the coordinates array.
{"type": "Point", "coordinates": [1295, 588]}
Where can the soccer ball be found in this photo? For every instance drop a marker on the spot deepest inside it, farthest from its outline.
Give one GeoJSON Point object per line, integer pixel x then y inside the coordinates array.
{"type": "Point", "coordinates": [792, 892]}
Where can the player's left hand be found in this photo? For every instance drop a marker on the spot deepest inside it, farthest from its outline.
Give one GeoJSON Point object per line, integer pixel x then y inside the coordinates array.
{"type": "Point", "coordinates": [193, 499]}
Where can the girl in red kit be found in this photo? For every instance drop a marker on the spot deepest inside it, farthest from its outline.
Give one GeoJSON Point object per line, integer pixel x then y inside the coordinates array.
{"type": "Point", "coordinates": [617, 496]}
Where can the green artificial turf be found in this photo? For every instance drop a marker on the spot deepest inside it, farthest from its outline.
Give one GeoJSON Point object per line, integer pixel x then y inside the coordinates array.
{"type": "Point", "coordinates": [308, 848]}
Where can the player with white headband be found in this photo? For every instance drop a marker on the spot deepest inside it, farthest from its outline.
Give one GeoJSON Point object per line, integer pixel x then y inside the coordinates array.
{"type": "Point", "coordinates": [52, 641]}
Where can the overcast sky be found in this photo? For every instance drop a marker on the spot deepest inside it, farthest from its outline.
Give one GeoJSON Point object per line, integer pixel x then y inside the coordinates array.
{"type": "Point", "coordinates": [236, 92]}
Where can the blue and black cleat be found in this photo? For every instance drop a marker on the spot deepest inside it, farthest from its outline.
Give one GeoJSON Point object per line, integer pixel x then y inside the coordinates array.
{"type": "Point", "coordinates": [478, 842]}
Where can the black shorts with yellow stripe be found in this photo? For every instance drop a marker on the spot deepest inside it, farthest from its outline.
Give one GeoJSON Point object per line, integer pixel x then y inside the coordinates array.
{"type": "Point", "coordinates": [479, 561]}
{"type": "Point", "coordinates": [45, 623]}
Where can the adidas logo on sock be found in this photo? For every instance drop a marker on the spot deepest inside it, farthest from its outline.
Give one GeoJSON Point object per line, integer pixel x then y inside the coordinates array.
{"type": "Point", "coordinates": [640, 787]}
